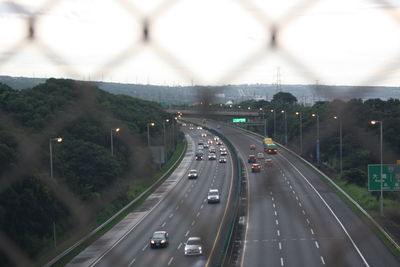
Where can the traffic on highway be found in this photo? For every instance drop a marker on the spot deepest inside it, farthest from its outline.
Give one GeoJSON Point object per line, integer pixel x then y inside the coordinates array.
{"type": "Point", "coordinates": [178, 224]}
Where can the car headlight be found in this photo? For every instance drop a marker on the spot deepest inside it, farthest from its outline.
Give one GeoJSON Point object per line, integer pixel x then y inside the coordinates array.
{"type": "Point", "coordinates": [152, 241]}
{"type": "Point", "coordinates": [162, 241]}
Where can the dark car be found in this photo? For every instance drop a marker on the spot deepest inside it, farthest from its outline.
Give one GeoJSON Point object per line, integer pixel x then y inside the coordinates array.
{"type": "Point", "coordinates": [199, 156]}
{"type": "Point", "coordinates": [252, 159]}
{"type": "Point", "coordinates": [159, 239]}
{"type": "Point", "coordinates": [256, 167]}
{"type": "Point", "coordinates": [192, 174]}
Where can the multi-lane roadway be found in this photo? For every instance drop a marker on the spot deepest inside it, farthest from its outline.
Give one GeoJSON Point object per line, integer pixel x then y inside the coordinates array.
{"type": "Point", "coordinates": [179, 207]}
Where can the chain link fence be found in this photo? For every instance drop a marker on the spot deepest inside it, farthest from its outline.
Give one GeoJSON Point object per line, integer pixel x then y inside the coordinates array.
{"type": "Point", "coordinates": [145, 34]}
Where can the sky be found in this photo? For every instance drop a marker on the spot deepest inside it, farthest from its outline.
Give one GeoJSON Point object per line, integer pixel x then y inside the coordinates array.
{"type": "Point", "coordinates": [204, 42]}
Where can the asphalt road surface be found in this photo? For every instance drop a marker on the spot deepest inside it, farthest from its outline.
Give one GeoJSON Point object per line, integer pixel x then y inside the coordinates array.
{"type": "Point", "coordinates": [179, 207]}
{"type": "Point", "coordinates": [295, 219]}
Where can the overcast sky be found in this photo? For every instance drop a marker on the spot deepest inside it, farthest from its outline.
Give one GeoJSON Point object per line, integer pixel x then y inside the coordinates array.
{"type": "Point", "coordinates": [338, 42]}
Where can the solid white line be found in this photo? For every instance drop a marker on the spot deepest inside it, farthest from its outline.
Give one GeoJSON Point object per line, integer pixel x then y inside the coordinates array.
{"type": "Point", "coordinates": [180, 245]}
{"type": "Point", "coordinates": [170, 261]}
{"type": "Point", "coordinates": [322, 259]}
{"type": "Point", "coordinates": [332, 212]}
{"type": "Point", "coordinates": [132, 262]}
{"type": "Point", "coordinates": [316, 244]}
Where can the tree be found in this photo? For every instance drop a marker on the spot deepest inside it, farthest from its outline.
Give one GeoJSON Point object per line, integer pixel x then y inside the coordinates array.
{"type": "Point", "coordinates": [285, 98]}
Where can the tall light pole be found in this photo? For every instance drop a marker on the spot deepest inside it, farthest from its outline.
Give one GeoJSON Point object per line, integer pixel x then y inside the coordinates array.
{"type": "Point", "coordinates": [58, 140]}
{"type": "Point", "coordinates": [165, 140]}
{"type": "Point", "coordinates": [148, 132]}
{"type": "Point", "coordinates": [116, 130]}
{"type": "Point", "coordinates": [340, 142]}
{"type": "Point", "coordinates": [381, 141]}
{"type": "Point", "coordinates": [286, 137]}
{"type": "Point", "coordinates": [265, 122]}
{"type": "Point", "coordinates": [317, 148]}
{"type": "Point", "coordinates": [273, 111]}
{"type": "Point", "coordinates": [301, 131]}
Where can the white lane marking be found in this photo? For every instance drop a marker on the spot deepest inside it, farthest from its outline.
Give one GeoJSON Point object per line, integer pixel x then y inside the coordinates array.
{"type": "Point", "coordinates": [164, 223]}
{"type": "Point", "coordinates": [179, 246]}
{"type": "Point", "coordinates": [308, 221]}
{"type": "Point", "coordinates": [170, 216]}
{"type": "Point", "coordinates": [187, 233]}
{"type": "Point", "coordinates": [299, 204]}
{"type": "Point", "coordinates": [316, 244]}
{"type": "Point", "coordinates": [272, 198]}
{"type": "Point", "coordinates": [276, 222]}
{"type": "Point", "coordinates": [312, 231]}
{"type": "Point", "coordinates": [287, 182]}
{"type": "Point", "coordinates": [279, 233]}
{"type": "Point", "coordinates": [132, 262]}
{"type": "Point", "coordinates": [322, 259]}
{"type": "Point", "coordinates": [290, 187]}
{"type": "Point", "coordinates": [186, 195]}
{"type": "Point", "coordinates": [297, 198]}
{"type": "Point", "coordinates": [280, 245]}
{"type": "Point", "coordinates": [303, 212]}
{"type": "Point", "coordinates": [332, 212]}
{"type": "Point", "coordinates": [143, 249]}
{"type": "Point", "coordinates": [198, 214]}
{"type": "Point", "coordinates": [181, 201]}
{"type": "Point", "coordinates": [177, 207]}
{"type": "Point", "coordinates": [270, 192]}
{"type": "Point", "coordinates": [282, 262]}
{"type": "Point", "coordinates": [293, 192]}
{"type": "Point", "coordinates": [276, 214]}
{"type": "Point", "coordinates": [170, 261]}
{"type": "Point", "coordinates": [193, 223]}
{"type": "Point", "coordinates": [273, 205]}
{"type": "Point", "coordinates": [202, 206]}
{"type": "Point", "coordinates": [205, 200]}
{"type": "Point", "coordinates": [190, 190]}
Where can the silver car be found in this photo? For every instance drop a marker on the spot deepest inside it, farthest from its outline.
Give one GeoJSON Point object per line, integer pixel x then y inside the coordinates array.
{"type": "Point", "coordinates": [193, 246]}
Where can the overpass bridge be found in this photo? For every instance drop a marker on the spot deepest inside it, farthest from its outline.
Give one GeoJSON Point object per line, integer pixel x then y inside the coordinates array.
{"type": "Point", "coordinates": [215, 112]}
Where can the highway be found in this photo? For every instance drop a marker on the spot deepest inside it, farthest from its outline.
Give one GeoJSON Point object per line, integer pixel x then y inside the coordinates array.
{"type": "Point", "coordinates": [179, 207]}
{"type": "Point", "coordinates": [295, 219]}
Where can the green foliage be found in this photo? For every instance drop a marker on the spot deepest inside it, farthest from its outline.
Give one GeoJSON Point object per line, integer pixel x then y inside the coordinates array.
{"type": "Point", "coordinates": [8, 146]}
{"type": "Point", "coordinates": [355, 176]}
{"type": "Point", "coordinates": [285, 98]}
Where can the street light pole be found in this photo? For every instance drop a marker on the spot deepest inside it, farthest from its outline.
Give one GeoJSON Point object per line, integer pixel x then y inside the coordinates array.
{"type": "Point", "coordinates": [317, 149]}
{"type": "Point", "coordinates": [273, 111]}
{"type": "Point", "coordinates": [111, 139]}
{"type": "Point", "coordinates": [301, 132]}
{"type": "Point", "coordinates": [340, 142]}
{"type": "Point", "coordinates": [165, 140]}
{"type": "Point", "coordinates": [148, 132]}
{"type": "Point", "coordinates": [58, 140]}
{"type": "Point", "coordinates": [381, 143]}
{"type": "Point", "coordinates": [286, 137]}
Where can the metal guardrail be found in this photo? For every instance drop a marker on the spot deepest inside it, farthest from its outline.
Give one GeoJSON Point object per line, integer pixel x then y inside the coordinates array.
{"type": "Point", "coordinates": [358, 206]}
{"type": "Point", "coordinates": [95, 231]}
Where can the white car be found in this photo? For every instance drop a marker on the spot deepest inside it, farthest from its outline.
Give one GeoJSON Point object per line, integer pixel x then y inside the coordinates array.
{"type": "Point", "coordinates": [192, 174]}
{"type": "Point", "coordinates": [212, 156]}
{"type": "Point", "coordinates": [193, 246]}
{"type": "Point", "coordinates": [213, 196]}
{"type": "Point", "coordinates": [260, 155]}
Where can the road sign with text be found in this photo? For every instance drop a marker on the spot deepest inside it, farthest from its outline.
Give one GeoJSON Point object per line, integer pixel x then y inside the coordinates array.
{"type": "Point", "coordinates": [236, 120]}
{"type": "Point", "coordinates": [390, 176]}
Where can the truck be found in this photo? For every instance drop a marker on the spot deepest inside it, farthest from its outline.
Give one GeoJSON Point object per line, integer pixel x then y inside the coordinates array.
{"type": "Point", "coordinates": [269, 146]}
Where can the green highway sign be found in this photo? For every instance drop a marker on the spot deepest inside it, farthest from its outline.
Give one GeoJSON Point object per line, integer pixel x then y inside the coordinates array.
{"type": "Point", "coordinates": [390, 175]}
{"type": "Point", "coordinates": [236, 120]}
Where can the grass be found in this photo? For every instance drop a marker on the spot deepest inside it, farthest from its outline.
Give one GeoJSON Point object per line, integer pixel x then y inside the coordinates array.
{"type": "Point", "coordinates": [134, 191]}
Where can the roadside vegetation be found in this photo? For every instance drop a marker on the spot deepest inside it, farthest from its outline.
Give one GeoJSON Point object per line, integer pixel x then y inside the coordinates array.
{"type": "Point", "coordinates": [360, 143]}
{"type": "Point", "coordinates": [89, 182]}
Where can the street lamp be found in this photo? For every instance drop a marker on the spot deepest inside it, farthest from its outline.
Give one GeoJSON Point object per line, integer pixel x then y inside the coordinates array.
{"type": "Point", "coordinates": [273, 111]}
{"type": "Point", "coordinates": [165, 140]}
{"type": "Point", "coordinates": [284, 112]}
{"type": "Point", "coordinates": [58, 140]}
{"type": "Point", "coordinates": [381, 133]}
{"type": "Point", "coordinates": [111, 139]}
{"type": "Point", "coordinates": [148, 131]}
{"type": "Point", "coordinates": [317, 148]}
{"type": "Point", "coordinates": [301, 132]}
{"type": "Point", "coordinates": [340, 142]}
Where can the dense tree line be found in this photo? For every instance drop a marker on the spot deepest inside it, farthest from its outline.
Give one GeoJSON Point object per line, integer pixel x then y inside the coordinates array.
{"type": "Point", "coordinates": [360, 138]}
{"type": "Point", "coordinates": [85, 172]}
